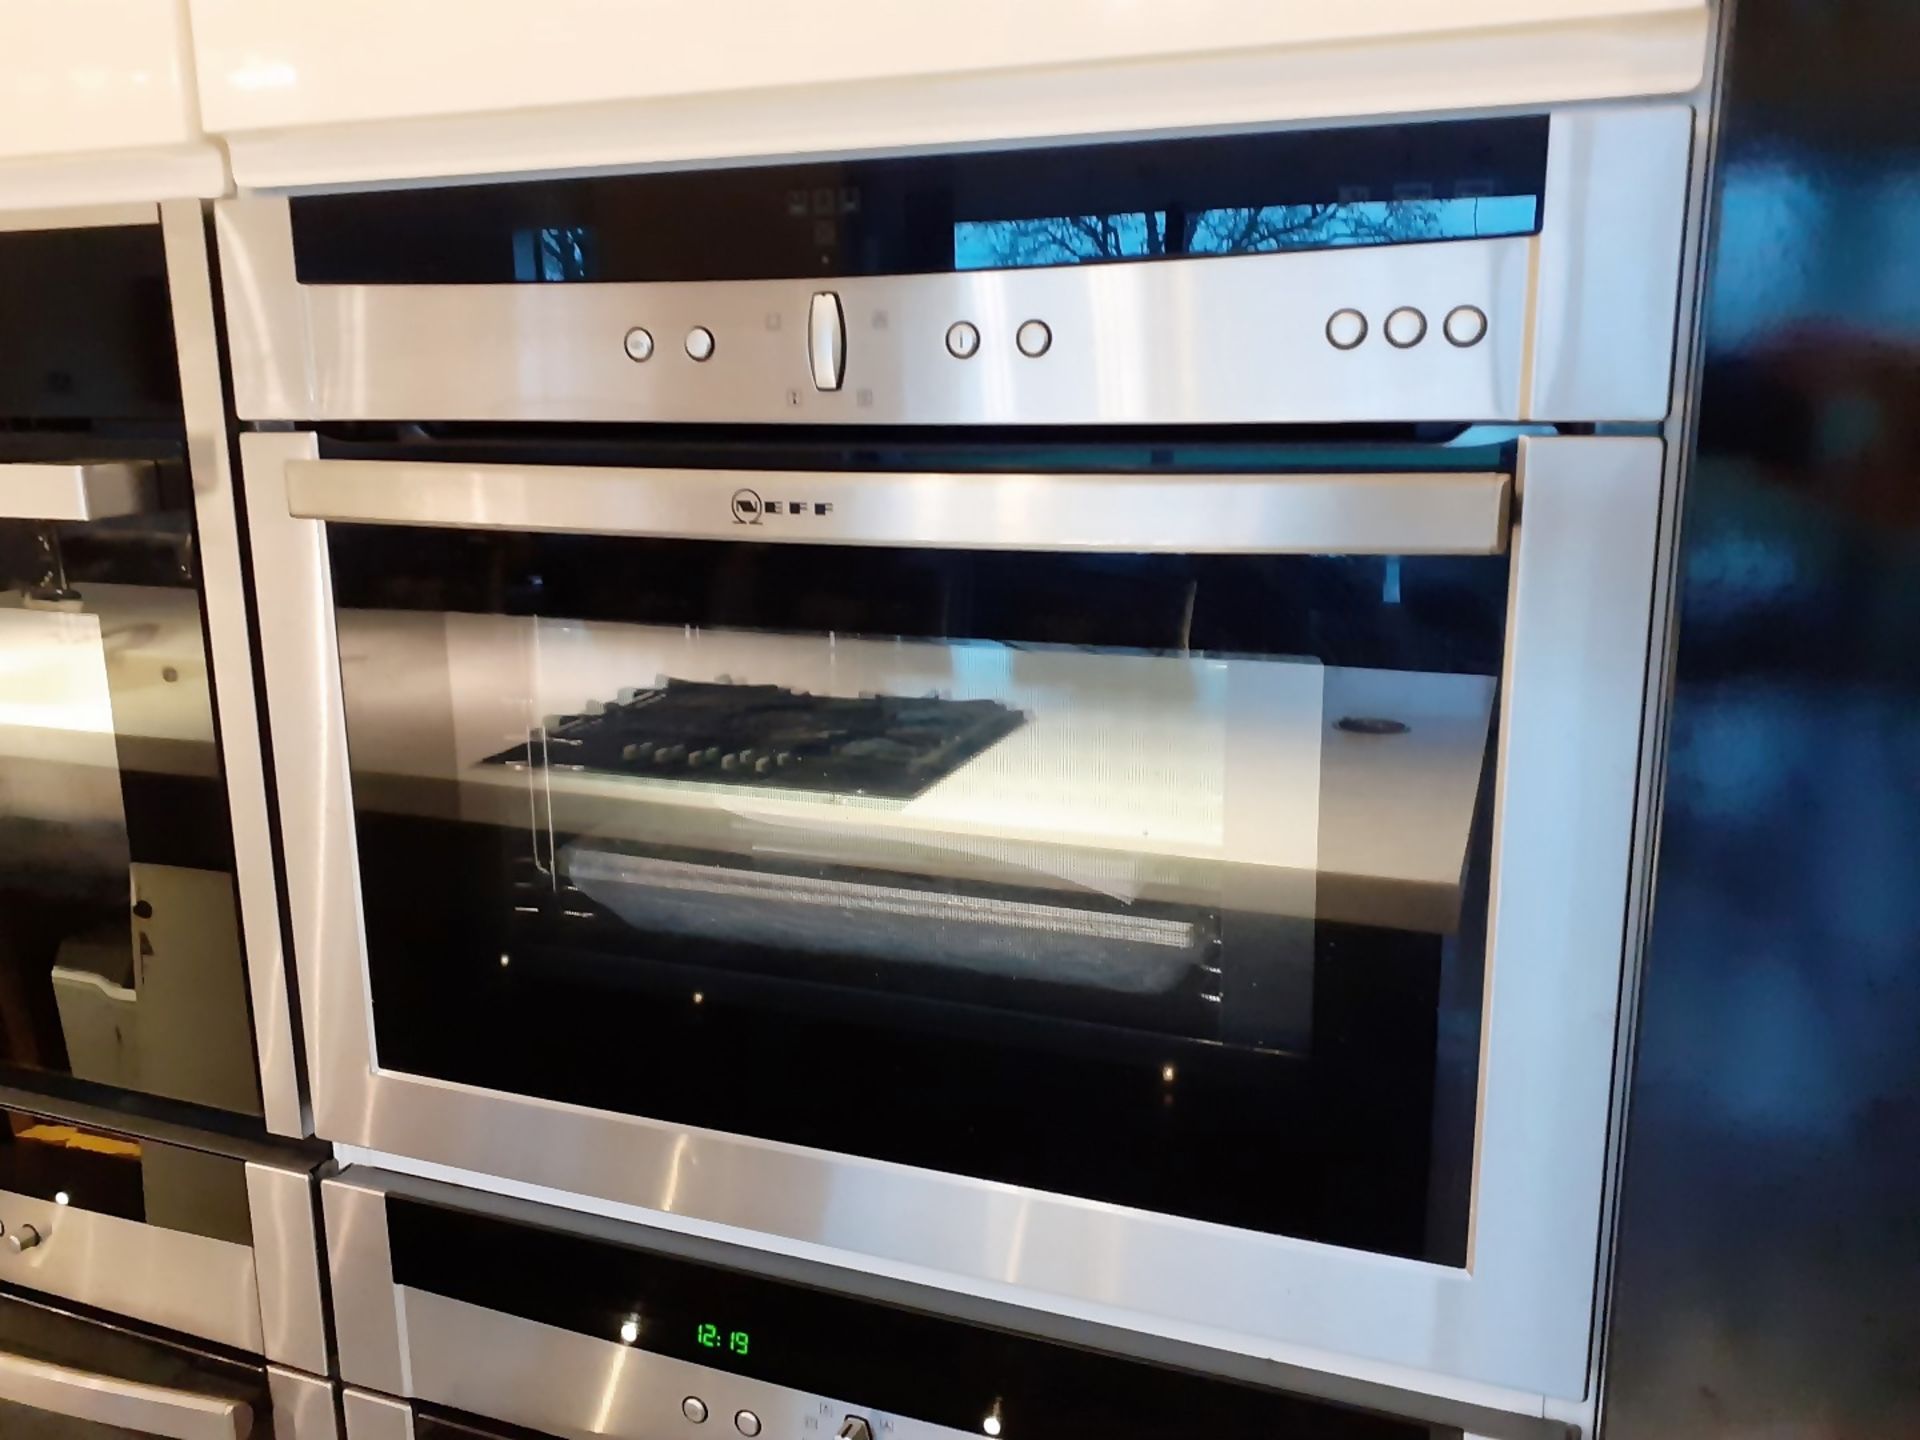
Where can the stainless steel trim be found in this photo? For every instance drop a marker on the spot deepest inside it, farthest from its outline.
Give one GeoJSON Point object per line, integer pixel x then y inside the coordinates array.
{"type": "Point", "coordinates": [1373, 514]}
{"type": "Point", "coordinates": [305, 1407]}
{"type": "Point", "coordinates": [190, 1283]}
{"type": "Point", "coordinates": [431, 1378]}
{"type": "Point", "coordinates": [1572, 702]}
{"type": "Point", "coordinates": [88, 490]}
{"type": "Point", "coordinates": [1581, 325]}
{"type": "Point", "coordinates": [366, 1315]}
{"type": "Point", "coordinates": [1608, 274]}
{"type": "Point", "coordinates": [230, 655]}
{"type": "Point", "coordinates": [123, 1404]}
{"type": "Point", "coordinates": [546, 1378]}
{"type": "Point", "coordinates": [376, 1417]}
{"type": "Point", "coordinates": [287, 1259]}
{"type": "Point", "coordinates": [1224, 340]}
{"type": "Point", "coordinates": [81, 217]}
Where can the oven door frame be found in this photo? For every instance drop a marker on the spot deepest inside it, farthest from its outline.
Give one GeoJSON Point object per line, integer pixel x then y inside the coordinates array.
{"type": "Point", "coordinates": [1518, 1314]}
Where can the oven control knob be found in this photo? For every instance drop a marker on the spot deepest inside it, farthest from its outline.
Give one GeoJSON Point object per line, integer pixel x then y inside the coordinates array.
{"type": "Point", "coordinates": [1465, 325]}
{"type": "Point", "coordinates": [23, 1237]}
{"type": "Point", "coordinates": [700, 343]}
{"type": "Point", "coordinates": [639, 344]}
{"type": "Point", "coordinates": [1406, 328]}
{"type": "Point", "coordinates": [1033, 338]}
{"type": "Point", "coordinates": [1346, 329]}
{"type": "Point", "coordinates": [695, 1409]}
{"type": "Point", "coordinates": [963, 340]}
{"type": "Point", "coordinates": [747, 1423]}
{"type": "Point", "coordinates": [855, 1428]}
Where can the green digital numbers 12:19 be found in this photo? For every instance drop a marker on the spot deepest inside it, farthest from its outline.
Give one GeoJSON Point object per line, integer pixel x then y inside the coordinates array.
{"type": "Point", "coordinates": [710, 1337]}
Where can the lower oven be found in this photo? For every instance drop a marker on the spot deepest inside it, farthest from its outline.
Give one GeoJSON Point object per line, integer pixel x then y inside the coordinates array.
{"type": "Point", "coordinates": [466, 1316]}
{"type": "Point", "coordinates": [1082, 881]}
{"type": "Point", "coordinates": [157, 1282]}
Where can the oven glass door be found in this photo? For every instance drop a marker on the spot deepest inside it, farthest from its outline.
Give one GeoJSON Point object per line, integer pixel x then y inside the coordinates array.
{"type": "Point", "coordinates": [64, 1376]}
{"type": "Point", "coordinates": [1154, 876]}
{"type": "Point", "coordinates": [120, 952]}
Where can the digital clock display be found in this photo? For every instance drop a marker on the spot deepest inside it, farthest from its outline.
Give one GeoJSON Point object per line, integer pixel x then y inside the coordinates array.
{"type": "Point", "coordinates": [709, 1336]}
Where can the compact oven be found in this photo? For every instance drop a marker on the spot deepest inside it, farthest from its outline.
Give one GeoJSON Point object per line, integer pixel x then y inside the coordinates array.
{"type": "Point", "coordinates": [604, 1329]}
{"type": "Point", "coordinates": [140, 942]}
{"type": "Point", "coordinates": [1059, 721]}
{"type": "Point", "coordinates": [157, 1286]}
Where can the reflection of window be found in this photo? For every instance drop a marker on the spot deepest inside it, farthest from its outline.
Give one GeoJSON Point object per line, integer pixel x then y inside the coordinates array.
{"type": "Point", "coordinates": [1253, 230]}
{"type": "Point", "coordinates": [565, 252]}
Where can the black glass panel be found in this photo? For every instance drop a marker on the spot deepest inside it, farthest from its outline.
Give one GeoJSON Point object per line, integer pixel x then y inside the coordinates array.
{"type": "Point", "coordinates": [85, 329]}
{"type": "Point", "coordinates": [928, 1367]}
{"type": "Point", "coordinates": [1231, 195]}
{"type": "Point", "coordinates": [120, 953]}
{"type": "Point", "coordinates": [112, 1173]}
{"type": "Point", "coordinates": [85, 1341]}
{"type": "Point", "coordinates": [1143, 942]}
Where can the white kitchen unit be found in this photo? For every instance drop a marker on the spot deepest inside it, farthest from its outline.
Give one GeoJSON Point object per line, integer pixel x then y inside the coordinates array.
{"type": "Point", "coordinates": [97, 105]}
{"type": "Point", "coordinates": [360, 91]}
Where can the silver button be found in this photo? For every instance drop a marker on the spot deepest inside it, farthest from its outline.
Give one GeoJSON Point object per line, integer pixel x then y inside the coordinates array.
{"type": "Point", "coordinates": [639, 344]}
{"type": "Point", "coordinates": [1465, 325]}
{"type": "Point", "coordinates": [700, 343]}
{"type": "Point", "coordinates": [747, 1423]}
{"type": "Point", "coordinates": [1346, 329]}
{"type": "Point", "coordinates": [1406, 327]}
{"type": "Point", "coordinates": [23, 1239]}
{"type": "Point", "coordinates": [695, 1409]}
{"type": "Point", "coordinates": [963, 340]}
{"type": "Point", "coordinates": [1033, 338]}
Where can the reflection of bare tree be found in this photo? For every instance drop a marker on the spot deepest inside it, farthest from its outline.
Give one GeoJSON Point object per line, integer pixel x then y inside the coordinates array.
{"type": "Point", "coordinates": [1066, 239]}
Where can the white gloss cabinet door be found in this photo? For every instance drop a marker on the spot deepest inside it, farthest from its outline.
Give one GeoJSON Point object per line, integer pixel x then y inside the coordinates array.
{"type": "Point", "coordinates": [98, 105]}
{"type": "Point", "coordinates": [318, 94]}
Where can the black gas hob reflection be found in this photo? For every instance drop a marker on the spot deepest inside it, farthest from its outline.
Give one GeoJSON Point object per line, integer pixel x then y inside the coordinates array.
{"type": "Point", "coordinates": [891, 746]}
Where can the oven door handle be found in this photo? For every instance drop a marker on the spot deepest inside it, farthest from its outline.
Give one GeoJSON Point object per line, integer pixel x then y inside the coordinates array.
{"type": "Point", "coordinates": [127, 1404]}
{"type": "Point", "coordinates": [85, 490]}
{"type": "Point", "coordinates": [1424, 513]}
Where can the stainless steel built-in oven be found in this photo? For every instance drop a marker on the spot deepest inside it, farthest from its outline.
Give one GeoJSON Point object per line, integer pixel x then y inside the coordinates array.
{"type": "Point", "coordinates": [140, 949]}
{"type": "Point", "coordinates": [602, 1329]}
{"type": "Point", "coordinates": [157, 1286]}
{"type": "Point", "coordinates": [1063, 722]}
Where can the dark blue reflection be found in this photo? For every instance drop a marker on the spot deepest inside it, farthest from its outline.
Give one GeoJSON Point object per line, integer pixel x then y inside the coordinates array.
{"type": "Point", "coordinates": [1248, 230]}
{"type": "Point", "coordinates": [565, 252]}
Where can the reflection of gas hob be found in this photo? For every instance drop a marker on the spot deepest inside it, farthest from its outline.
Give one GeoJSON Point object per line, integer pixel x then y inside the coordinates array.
{"type": "Point", "coordinates": [885, 745]}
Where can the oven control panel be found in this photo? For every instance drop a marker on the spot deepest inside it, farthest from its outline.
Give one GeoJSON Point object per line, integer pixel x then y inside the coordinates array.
{"type": "Point", "coordinates": [631, 1332]}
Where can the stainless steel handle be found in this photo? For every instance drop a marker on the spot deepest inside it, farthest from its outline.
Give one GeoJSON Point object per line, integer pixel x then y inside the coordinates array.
{"type": "Point", "coordinates": [86, 490]}
{"type": "Point", "coordinates": [1440, 513]}
{"type": "Point", "coordinates": [103, 1400]}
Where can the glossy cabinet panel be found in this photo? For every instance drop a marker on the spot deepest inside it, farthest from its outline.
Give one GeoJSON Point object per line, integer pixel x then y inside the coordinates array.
{"type": "Point", "coordinates": [97, 104]}
{"type": "Point", "coordinates": [313, 95]}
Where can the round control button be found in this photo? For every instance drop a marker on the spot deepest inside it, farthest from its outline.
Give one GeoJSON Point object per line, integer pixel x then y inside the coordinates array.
{"type": "Point", "coordinates": [695, 1409]}
{"type": "Point", "coordinates": [963, 340]}
{"type": "Point", "coordinates": [1465, 325]}
{"type": "Point", "coordinates": [747, 1423]}
{"type": "Point", "coordinates": [1033, 338]}
{"type": "Point", "coordinates": [1346, 329]}
{"type": "Point", "coordinates": [1406, 327]}
{"type": "Point", "coordinates": [700, 343]}
{"type": "Point", "coordinates": [639, 344]}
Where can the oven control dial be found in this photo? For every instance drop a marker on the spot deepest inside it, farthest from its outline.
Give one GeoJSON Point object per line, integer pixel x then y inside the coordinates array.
{"type": "Point", "coordinates": [1406, 328]}
{"type": "Point", "coordinates": [1034, 339]}
{"type": "Point", "coordinates": [826, 341]}
{"type": "Point", "coordinates": [855, 1428]}
{"type": "Point", "coordinates": [22, 1237]}
{"type": "Point", "coordinates": [699, 343]}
